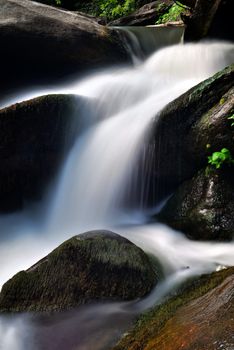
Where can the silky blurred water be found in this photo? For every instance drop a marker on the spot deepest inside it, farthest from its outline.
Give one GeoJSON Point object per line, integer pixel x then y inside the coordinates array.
{"type": "Point", "coordinates": [89, 194]}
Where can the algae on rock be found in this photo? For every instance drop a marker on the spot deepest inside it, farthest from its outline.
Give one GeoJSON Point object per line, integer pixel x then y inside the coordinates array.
{"type": "Point", "coordinates": [97, 265]}
{"type": "Point", "coordinates": [196, 318]}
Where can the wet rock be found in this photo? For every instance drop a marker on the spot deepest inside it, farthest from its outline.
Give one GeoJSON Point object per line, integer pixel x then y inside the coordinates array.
{"type": "Point", "coordinates": [200, 317]}
{"type": "Point", "coordinates": [220, 28]}
{"type": "Point", "coordinates": [185, 127]}
{"type": "Point", "coordinates": [97, 265]}
{"type": "Point", "coordinates": [47, 43]}
{"type": "Point", "coordinates": [209, 19]}
{"type": "Point", "coordinates": [33, 138]}
{"type": "Point", "coordinates": [203, 207]}
{"type": "Point", "coordinates": [146, 15]}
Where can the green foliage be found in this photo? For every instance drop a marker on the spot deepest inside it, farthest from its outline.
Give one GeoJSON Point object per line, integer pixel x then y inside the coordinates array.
{"type": "Point", "coordinates": [112, 9]}
{"type": "Point", "coordinates": [172, 15]}
{"type": "Point", "coordinates": [217, 159]}
{"type": "Point", "coordinates": [232, 119]}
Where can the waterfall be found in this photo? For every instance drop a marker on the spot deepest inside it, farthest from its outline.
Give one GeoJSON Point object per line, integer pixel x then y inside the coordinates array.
{"type": "Point", "coordinates": [101, 167]}
{"type": "Point", "coordinates": [98, 178]}
{"type": "Point", "coordinates": [141, 42]}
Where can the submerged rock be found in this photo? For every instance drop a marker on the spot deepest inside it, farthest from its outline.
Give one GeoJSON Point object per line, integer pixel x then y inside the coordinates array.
{"type": "Point", "coordinates": [203, 207]}
{"type": "Point", "coordinates": [200, 317]}
{"type": "Point", "coordinates": [97, 265]}
{"type": "Point", "coordinates": [33, 137]}
{"type": "Point", "coordinates": [40, 43]}
{"type": "Point", "coordinates": [185, 127]}
{"type": "Point", "coordinates": [146, 15]}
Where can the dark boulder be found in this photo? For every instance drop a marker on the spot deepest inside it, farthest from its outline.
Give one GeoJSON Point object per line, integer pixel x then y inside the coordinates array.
{"type": "Point", "coordinates": [146, 15]}
{"type": "Point", "coordinates": [185, 127]}
{"type": "Point", "coordinates": [33, 138]}
{"type": "Point", "coordinates": [203, 207]}
{"type": "Point", "coordinates": [199, 317]}
{"type": "Point", "coordinates": [220, 26]}
{"type": "Point", "coordinates": [209, 19]}
{"type": "Point", "coordinates": [97, 265]}
{"type": "Point", "coordinates": [40, 43]}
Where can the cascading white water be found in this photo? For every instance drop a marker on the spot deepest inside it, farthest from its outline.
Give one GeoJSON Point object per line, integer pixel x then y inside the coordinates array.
{"type": "Point", "coordinates": [94, 180]}
{"type": "Point", "coordinates": [143, 41]}
{"type": "Point", "coordinates": [14, 333]}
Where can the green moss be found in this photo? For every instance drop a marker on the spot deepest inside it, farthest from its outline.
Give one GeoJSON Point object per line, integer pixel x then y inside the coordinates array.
{"type": "Point", "coordinates": [87, 267]}
{"type": "Point", "coordinates": [222, 101]}
{"type": "Point", "coordinates": [149, 324]}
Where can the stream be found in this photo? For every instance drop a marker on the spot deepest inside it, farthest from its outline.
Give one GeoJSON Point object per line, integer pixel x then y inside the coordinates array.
{"type": "Point", "coordinates": [93, 188]}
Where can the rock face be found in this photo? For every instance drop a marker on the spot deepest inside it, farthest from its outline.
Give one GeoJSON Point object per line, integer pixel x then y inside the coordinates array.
{"type": "Point", "coordinates": [209, 18]}
{"type": "Point", "coordinates": [33, 138]}
{"type": "Point", "coordinates": [97, 265]}
{"type": "Point", "coordinates": [220, 28]}
{"type": "Point", "coordinates": [199, 117]}
{"type": "Point", "coordinates": [203, 207]}
{"type": "Point", "coordinates": [201, 317]}
{"type": "Point", "coordinates": [146, 15]}
{"type": "Point", "coordinates": [47, 43]}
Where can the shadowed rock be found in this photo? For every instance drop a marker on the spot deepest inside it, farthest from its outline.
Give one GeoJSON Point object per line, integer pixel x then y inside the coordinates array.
{"type": "Point", "coordinates": [203, 207]}
{"type": "Point", "coordinates": [180, 136]}
{"type": "Point", "coordinates": [98, 265]}
{"type": "Point", "coordinates": [40, 43]}
{"type": "Point", "coordinates": [34, 135]}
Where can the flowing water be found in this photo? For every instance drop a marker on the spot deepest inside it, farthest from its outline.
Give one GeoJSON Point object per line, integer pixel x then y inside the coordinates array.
{"type": "Point", "coordinates": [91, 192]}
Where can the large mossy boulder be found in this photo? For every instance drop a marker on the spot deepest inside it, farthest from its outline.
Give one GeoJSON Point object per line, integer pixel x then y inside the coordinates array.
{"type": "Point", "coordinates": [97, 265]}
{"type": "Point", "coordinates": [33, 137]}
{"type": "Point", "coordinates": [199, 317]}
{"type": "Point", "coordinates": [146, 15]}
{"type": "Point", "coordinates": [40, 43]}
{"type": "Point", "coordinates": [203, 207]}
{"type": "Point", "coordinates": [184, 128]}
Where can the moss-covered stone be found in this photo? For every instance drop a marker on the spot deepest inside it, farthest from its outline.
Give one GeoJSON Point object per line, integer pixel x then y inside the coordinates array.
{"type": "Point", "coordinates": [203, 207]}
{"type": "Point", "coordinates": [97, 265]}
{"type": "Point", "coordinates": [33, 137]}
{"type": "Point", "coordinates": [199, 317]}
{"type": "Point", "coordinates": [184, 128]}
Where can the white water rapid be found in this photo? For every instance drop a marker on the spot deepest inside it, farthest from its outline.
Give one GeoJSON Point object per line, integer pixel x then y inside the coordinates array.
{"type": "Point", "coordinates": [90, 190]}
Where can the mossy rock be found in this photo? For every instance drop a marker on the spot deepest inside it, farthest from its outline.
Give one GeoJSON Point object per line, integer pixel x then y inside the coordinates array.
{"type": "Point", "coordinates": [199, 317]}
{"type": "Point", "coordinates": [183, 129]}
{"type": "Point", "coordinates": [203, 207]}
{"type": "Point", "coordinates": [34, 137]}
{"type": "Point", "coordinates": [98, 265]}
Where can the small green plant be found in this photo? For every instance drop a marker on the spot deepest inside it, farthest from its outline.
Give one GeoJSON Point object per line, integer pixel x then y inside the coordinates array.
{"type": "Point", "coordinates": [217, 159]}
{"type": "Point", "coordinates": [172, 15]}
{"type": "Point", "coordinates": [232, 119]}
